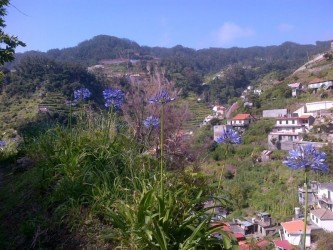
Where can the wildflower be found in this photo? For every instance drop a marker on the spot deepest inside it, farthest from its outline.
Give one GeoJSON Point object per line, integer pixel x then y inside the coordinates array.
{"type": "Point", "coordinates": [113, 98]}
{"type": "Point", "coordinates": [81, 94]}
{"type": "Point", "coordinates": [2, 144]}
{"type": "Point", "coordinates": [161, 97]}
{"type": "Point", "coordinates": [306, 157]}
{"type": "Point", "coordinates": [229, 136]}
{"type": "Point", "coordinates": [151, 121]}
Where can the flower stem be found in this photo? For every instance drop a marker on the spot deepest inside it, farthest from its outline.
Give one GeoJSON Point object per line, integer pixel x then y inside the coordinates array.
{"type": "Point", "coordinates": [162, 142]}
{"type": "Point", "coordinates": [305, 208]}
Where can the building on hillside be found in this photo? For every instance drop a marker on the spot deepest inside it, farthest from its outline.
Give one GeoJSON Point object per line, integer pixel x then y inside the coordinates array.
{"type": "Point", "coordinates": [320, 84]}
{"type": "Point", "coordinates": [314, 108]}
{"type": "Point", "coordinates": [325, 195]}
{"type": "Point", "coordinates": [264, 223]}
{"type": "Point", "coordinates": [292, 231]}
{"type": "Point", "coordinates": [282, 245]}
{"type": "Point", "coordinates": [296, 88]}
{"type": "Point", "coordinates": [274, 113]}
{"type": "Point", "coordinates": [241, 121]}
{"type": "Point", "coordinates": [322, 218]}
{"type": "Point", "coordinates": [288, 130]}
{"type": "Point", "coordinates": [219, 111]}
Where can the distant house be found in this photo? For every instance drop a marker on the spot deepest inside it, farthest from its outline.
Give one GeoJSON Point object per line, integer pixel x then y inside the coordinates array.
{"type": "Point", "coordinates": [274, 113]}
{"type": "Point", "coordinates": [296, 88]}
{"type": "Point", "coordinates": [207, 119]}
{"type": "Point", "coordinates": [323, 218]}
{"type": "Point", "coordinates": [325, 195]}
{"type": "Point", "coordinates": [219, 110]}
{"type": "Point", "coordinates": [264, 223]}
{"type": "Point", "coordinates": [240, 121]}
{"type": "Point", "coordinates": [293, 232]}
{"type": "Point", "coordinates": [314, 108]}
{"type": "Point", "coordinates": [289, 129]}
{"type": "Point", "coordinates": [320, 84]}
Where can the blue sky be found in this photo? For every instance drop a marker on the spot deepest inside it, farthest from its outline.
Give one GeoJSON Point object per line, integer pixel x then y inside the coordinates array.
{"type": "Point", "coordinates": [197, 24]}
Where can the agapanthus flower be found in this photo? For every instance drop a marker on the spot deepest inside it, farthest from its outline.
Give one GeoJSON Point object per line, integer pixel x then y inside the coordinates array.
{"type": "Point", "coordinates": [151, 121]}
{"type": "Point", "coordinates": [81, 94]}
{"type": "Point", "coordinates": [306, 157]}
{"type": "Point", "coordinates": [161, 98]}
{"type": "Point", "coordinates": [229, 136]}
{"type": "Point", "coordinates": [113, 98]}
{"type": "Point", "coordinates": [2, 144]}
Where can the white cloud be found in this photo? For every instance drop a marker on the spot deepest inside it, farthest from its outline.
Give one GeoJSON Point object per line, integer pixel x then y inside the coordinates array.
{"type": "Point", "coordinates": [285, 27]}
{"type": "Point", "coordinates": [231, 31]}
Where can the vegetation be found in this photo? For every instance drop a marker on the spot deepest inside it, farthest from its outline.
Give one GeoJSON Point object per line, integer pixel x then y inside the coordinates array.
{"type": "Point", "coordinates": [76, 175]}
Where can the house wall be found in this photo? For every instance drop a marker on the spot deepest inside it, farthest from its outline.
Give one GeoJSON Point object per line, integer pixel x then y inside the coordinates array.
{"type": "Point", "coordinates": [273, 113]}
{"type": "Point", "coordinates": [295, 239]}
{"type": "Point", "coordinates": [281, 122]}
{"type": "Point", "coordinates": [324, 224]}
{"type": "Point", "coordinates": [315, 106]}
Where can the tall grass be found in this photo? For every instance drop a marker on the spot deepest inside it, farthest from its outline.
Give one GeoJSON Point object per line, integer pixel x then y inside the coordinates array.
{"type": "Point", "coordinates": [95, 170]}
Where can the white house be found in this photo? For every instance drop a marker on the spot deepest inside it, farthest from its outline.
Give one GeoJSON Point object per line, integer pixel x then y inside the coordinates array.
{"type": "Point", "coordinates": [295, 88]}
{"type": "Point", "coordinates": [325, 195]}
{"type": "Point", "coordinates": [290, 129]}
{"type": "Point", "coordinates": [318, 84]}
{"type": "Point", "coordinates": [293, 231]}
{"type": "Point", "coordinates": [219, 110]}
{"type": "Point", "coordinates": [323, 218]}
{"type": "Point", "coordinates": [240, 121]}
{"type": "Point", "coordinates": [313, 108]}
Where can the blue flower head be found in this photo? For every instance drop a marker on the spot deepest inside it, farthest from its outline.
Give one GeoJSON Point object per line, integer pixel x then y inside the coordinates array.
{"type": "Point", "coordinates": [229, 136]}
{"type": "Point", "coordinates": [161, 97]}
{"type": "Point", "coordinates": [2, 144]}
{"type": "Point", "coordinates": [306, 157]}
{"type": "Point", "coordinates": [113, 98]}
{"type": "Point", "coordinates": [151, 121]}
{"type": "Point", "coordinates": [81, 94]}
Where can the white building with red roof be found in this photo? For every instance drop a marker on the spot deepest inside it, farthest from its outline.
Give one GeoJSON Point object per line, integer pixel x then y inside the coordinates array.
{"type": "Point", "coordinates": [240, 121]}
{"type": "Point", "coordinates": [293, 232]}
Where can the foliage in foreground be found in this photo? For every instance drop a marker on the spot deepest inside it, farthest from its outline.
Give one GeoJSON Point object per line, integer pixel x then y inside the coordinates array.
{"type": "Point", "coordinates": [95, 178]}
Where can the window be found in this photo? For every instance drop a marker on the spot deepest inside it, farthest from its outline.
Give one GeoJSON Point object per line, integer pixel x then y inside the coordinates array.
{"type": "Point", "coordinates": [293, 121]}
{"type": "Point", "coordinates": [316, 220]}
{"type": "Point", "coordinates": [280, 122]}
{"type": "Point", "coordinates": [286, 121]}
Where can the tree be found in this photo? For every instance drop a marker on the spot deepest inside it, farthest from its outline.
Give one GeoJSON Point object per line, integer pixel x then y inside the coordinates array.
{"type": "Point", "coordinates": [8, 43]}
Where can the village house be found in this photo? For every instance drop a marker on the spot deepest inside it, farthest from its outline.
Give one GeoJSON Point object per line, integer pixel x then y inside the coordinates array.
{"type": "Point", "coordinates": [314, 108]}
{"type": "Point", "coordinates": [292, 231]}
{"type": "Point", "coordinates": [320, 84]}
{"type": "Point", "coordinates": [322, 218]}
{"type": "Point", "coordinates": [219, 111]}
{"type": "Point", "coordinates": [296, 88]}
{"type": "Point", "coordinates": [240, 121]}
{"type": "Point", "coordinates": [264, 224]}
{"type": "Point", "coordinates": [282, 245]}
{"type": "Point", "coordinates": [288, 130]}
{"type": "Point", "coordinates": [325, 195]}
{"type": "Point", "coordinates": [274, 113]}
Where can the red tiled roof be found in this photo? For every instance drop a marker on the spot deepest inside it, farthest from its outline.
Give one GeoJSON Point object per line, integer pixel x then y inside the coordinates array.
{"type": "Point", "coordinates": [305, 116]}
{"type": "Point", "coordinates": [295, 226]}
{"type": "Point", "coordinates": [316, 80]}
{"type": "Point", "coordinates": [283, 244]}
{"type": "Point", "coordinates": [242, 117]}
{"type": "Point", "coordinates": [239, 236]}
